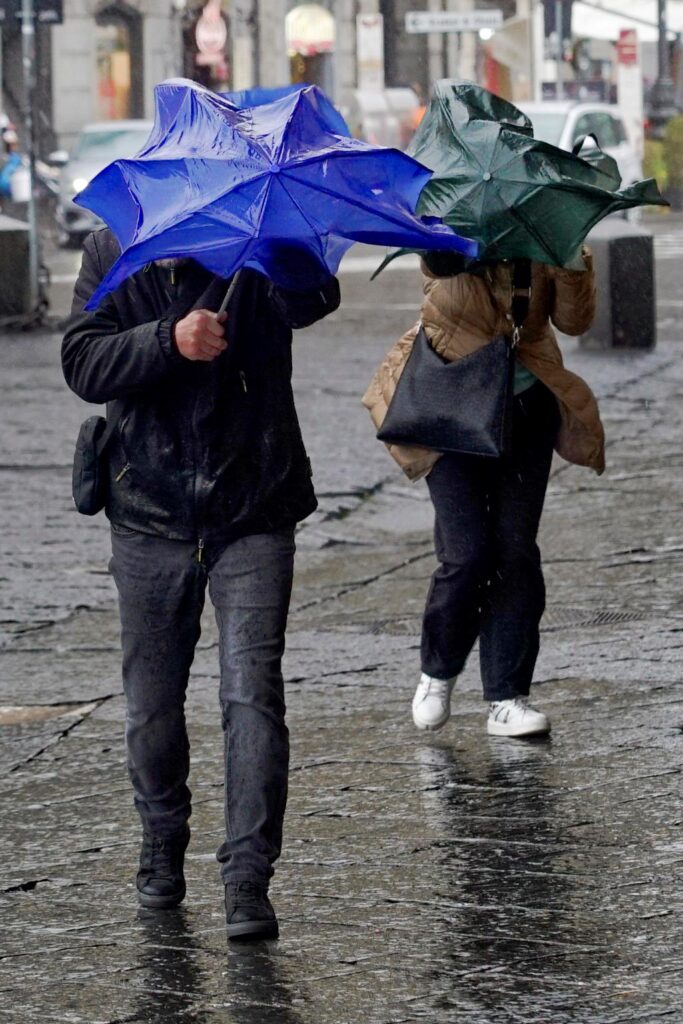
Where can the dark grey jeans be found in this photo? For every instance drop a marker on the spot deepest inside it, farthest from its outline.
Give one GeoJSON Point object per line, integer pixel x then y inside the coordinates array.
{"type": "Point", "coordinates": [161, 589]}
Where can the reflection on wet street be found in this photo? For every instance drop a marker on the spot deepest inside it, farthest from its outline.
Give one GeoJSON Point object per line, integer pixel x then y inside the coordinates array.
{"type": "Point", "coordinates": [258, 976]}
{"type": "Point", "coordinates": [503, 861]}
{"type": "Point", "coordinates": [170, 976]}
{"type": "Point", "coordinates": [175, 980]}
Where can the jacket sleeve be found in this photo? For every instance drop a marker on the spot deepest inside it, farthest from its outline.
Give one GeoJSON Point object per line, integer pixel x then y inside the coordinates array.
{"type": "Point", "coordinates": [573, 306]}
{"type": "Point", "coordinates": [100, 360]}
{"type": "Point", "coordinates": [302, 308]}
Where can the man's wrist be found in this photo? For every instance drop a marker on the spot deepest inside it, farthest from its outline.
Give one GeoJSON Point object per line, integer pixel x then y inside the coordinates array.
{"type": "Point", "coordinates": [166, 338]}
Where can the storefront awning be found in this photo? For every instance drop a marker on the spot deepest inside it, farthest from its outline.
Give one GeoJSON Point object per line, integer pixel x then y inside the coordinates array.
{"type": "Point", "coordinates": [598, 20]}
{"type": "Point", "coordinates": [309, 30]}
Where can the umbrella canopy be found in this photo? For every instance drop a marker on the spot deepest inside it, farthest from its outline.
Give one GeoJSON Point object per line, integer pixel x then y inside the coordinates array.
{"type": "Point", "coordinates": [234, 187]}
{"type": "Point", "coordinates": [517, 196]}
{"type": "Point", "coordinates": [257, 96]}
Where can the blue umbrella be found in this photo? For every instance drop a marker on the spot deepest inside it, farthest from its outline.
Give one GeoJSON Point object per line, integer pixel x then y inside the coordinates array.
{"type": "Point", "coordinates": [236, 187]}
{"type": "Point", "coordinates": [258, 96]}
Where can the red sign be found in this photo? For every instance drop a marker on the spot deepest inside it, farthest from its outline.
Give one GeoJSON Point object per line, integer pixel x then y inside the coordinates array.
{"type": "Point", "coordinates": [627, 46]}
{"type": "Point", "coordinates": [211, 33]}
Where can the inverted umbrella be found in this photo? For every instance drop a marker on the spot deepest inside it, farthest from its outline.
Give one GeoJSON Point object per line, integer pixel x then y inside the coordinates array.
{"type": "Point", "coordinates": [233, 187]}
{"type": "Point", "coordinates": [517, 196]}
{"type": "Point", "coordinates": [259, 95]}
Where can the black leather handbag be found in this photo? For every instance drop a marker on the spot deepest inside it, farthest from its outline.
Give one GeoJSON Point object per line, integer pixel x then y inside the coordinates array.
{"type": "Point", "coordinates": [460, 406]}
{"type": "Point", "coordinates": [89, 479]}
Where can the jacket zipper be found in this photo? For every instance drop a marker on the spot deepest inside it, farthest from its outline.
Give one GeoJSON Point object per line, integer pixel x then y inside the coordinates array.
{"type": "Point", "coordinates": [195, 455]}
{"type": "Point", "coordinates": [126, 466]}
{"type": "Point", "coordinates": [175, 287]}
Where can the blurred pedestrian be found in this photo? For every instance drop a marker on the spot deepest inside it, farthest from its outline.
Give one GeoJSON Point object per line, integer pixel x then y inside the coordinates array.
{"type": "Point", "coordinates": [11, 160]}
{"type": "Point", "coordinates": [413, 118]}
{"type": "Point", "coordinates": [207, 478]}
{"type": "Point", "coordinates": [489, 583]}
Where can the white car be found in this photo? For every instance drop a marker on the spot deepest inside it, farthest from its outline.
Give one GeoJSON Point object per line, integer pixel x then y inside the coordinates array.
{"type": "Point", "coordinates": [97, 145]}
{"type": "Point", "coordinates": [563, 123]}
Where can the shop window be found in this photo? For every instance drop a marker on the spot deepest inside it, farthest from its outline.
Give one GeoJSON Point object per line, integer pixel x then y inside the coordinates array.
{"type": "Point", "coordinates": [310, 31]}
{"type": "Point", "coordinates": [118, 53]}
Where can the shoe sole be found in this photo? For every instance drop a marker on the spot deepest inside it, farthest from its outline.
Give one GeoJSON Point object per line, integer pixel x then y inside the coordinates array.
{"type": "Point", "coordinates": [432, 726]}
{"type": "Point", "coordinates": [429, 728]}
{"type": "Point", "coordinates": [512, 732]}
{"type": "Point", "coordinates": [160, 902]}
{"type": "Point", "coordinates": [250, 931]}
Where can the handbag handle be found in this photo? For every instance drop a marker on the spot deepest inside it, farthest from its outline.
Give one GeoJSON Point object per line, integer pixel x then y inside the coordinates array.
{"type": "Point", "coordinates": [521, 297]}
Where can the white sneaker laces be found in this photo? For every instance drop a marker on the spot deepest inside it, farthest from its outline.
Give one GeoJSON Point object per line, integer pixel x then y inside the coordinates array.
{"type": "Point", "coordinates": [438, 688]}
{"type": "Point", "coordinates": [511, 704]}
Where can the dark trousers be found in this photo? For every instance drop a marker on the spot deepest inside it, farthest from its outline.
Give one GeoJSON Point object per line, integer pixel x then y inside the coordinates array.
{"type": "Point", "coordinates": [490, 583]}
{"type": "Point", "coordinates": [161, 589]}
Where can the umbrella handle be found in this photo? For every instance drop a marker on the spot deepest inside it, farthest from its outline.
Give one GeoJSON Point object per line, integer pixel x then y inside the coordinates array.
{"type": "Point", "coordinates": [228, 294]}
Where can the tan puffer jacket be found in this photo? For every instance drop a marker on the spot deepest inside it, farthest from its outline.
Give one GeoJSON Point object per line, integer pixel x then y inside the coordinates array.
{"type": "Point", "coordinates": [463, 313]}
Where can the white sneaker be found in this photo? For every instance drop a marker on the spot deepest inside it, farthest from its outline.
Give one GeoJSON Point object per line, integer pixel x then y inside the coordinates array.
{"type": "Point", "coordinates": [432, 702]}
{"type": "Point", "coordinates": [516, 717]}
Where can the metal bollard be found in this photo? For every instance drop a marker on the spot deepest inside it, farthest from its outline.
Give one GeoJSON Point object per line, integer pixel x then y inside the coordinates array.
{"type": "Point", "coordinates": [626, 310]}
{"type": "Point", "coordinates": [15, 291]}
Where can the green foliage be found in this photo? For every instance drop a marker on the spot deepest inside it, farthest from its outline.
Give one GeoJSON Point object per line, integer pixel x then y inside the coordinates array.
{"type": "Point", "coordinates": [654, 165]}
{"type": "Point", "coordinates": [673, 152]}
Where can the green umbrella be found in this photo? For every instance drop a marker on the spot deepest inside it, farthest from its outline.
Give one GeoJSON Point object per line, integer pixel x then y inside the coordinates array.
{"type": "Point", "coordinates": [517, 196]}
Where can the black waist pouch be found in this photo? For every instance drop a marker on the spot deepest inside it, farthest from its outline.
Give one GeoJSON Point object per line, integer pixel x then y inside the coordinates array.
{"type": "Point", "coordinates": [89, 480]}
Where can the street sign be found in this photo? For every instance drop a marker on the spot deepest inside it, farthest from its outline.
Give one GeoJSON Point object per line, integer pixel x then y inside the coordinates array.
{"type": "Point", "coordinates": [211, 32]}
{"type": "Point", "coordinates": [453, 21]}
{"type": "Point", "coordinates": [45, 12]}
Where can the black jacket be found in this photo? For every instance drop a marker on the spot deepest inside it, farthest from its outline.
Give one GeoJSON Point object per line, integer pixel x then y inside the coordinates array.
{"type": "Point", "coordinates": [205, 452]}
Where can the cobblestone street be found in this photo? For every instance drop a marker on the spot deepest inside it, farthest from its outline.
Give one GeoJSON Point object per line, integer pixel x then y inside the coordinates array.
{"type": "Point", "coordinates": [455, 878]}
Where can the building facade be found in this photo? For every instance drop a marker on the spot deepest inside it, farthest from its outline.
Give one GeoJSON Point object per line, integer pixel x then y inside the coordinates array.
{"type": "Point", "coordinates": [103, 61]}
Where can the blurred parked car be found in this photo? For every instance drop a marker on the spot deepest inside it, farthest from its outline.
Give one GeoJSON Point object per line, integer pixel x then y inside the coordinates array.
{"type": "Point", "coordinates": [97, 145]}
{"type": "Point", "coordinates": [563, 123]}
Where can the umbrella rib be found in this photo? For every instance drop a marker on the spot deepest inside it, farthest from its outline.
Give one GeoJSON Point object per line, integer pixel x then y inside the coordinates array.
{"type": "Point", "coordinates": [293, 111]}
{"type": "Point", "coordinates": [529, 225]}
{"type": "Point", "coordinates": [202, 208]}
{"type": "Point", "coordinates": [314, 229]}
{"type": "Point", "coordinates": [366, 207]}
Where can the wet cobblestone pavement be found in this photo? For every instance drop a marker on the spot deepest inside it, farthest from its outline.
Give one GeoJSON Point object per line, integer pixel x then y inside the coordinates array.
{"type": "Point", "coordinates": [459, 878]}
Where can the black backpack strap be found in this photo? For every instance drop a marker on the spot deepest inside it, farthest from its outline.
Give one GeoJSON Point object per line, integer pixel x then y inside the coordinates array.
{"type": "Point", "coordinates": [106, 435]}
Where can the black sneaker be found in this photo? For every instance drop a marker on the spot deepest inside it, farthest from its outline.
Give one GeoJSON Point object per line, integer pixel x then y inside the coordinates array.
{"type": "Point", "coordinates": [160, 881]}
{"type": "Point", "coordinates": [248, 912]}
